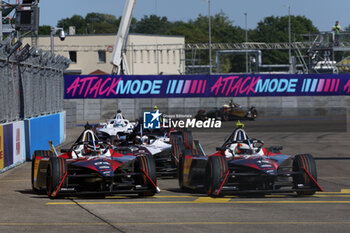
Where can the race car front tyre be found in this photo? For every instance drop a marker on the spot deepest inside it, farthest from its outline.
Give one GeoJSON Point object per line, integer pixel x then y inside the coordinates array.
{"type": "Point", "coordinates": [56, 171]}
{"type": "Point", "coordinates": [307, 162]}
{"type": "Point", "coordinates": [216, 171]}
{"type": "Point", "coordinates": [147, 164]}
{"type": "Point", "coordinates": [180, 174]}
{"type": "Point", "coordinates": [38, 153]}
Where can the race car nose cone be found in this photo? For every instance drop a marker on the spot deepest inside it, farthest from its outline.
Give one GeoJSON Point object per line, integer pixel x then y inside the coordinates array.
{"type": "Point", "coordinates": [104, 167]}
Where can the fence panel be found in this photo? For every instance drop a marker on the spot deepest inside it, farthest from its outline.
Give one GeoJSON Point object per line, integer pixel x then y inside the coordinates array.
{"type": "Point", "coordinates": [30, 86]}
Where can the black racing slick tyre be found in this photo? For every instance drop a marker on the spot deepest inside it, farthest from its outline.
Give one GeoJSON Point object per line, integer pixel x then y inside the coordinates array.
{"type": "Point", "coordinates": [148, 165]}
{"type": "Point", "coordinates": [177, 148]}
{"type": "Point", "coordinates": [215, 172]}
{"type": "Point", "coordinates": [180, 173]}
{"type": "Point", "coordinates": [56, 170]}
{"type": "Point", "coordinates": [38, 153]}
{"type": "Point", "coordinates": [307, 162]}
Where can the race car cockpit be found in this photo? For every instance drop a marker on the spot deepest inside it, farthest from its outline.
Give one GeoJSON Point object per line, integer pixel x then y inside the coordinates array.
{"type": "Point", "coordinates": [88, 144]}
{"type": "Point", "coordinates": [239, 144]}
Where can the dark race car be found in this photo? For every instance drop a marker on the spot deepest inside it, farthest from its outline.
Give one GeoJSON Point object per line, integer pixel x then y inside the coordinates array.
{"type": "Point", "coordinates": [228, 112]}
{"type": "Point", "coordinates": [243, 166]}
{"type": "Point", "coordinates": [92, 167]}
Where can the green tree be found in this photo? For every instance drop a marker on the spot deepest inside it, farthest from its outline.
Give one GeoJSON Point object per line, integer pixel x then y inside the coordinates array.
{"type": "Point", "coordinates": [275, 29]}
{"type": "Point", "coordinates": [44, 30]}
{"type": "Point", "coordinates": [76, 20]}
{"type": "Point", "coordinates": [153, 24]}
{"type": "Point", "coordinates": [190, 31]}
{"type": "Point", "coordinates": [98, 23]}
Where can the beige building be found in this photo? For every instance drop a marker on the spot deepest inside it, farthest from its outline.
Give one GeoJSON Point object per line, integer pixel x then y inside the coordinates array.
{"type": "Point", "coordinates": [146, 54]}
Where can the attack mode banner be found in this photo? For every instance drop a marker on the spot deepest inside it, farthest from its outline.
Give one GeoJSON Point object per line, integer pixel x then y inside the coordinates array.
{"type": "Point", "coordinates": [112, 86]}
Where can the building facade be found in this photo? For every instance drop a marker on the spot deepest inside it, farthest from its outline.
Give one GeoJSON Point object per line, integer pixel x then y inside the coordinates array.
{"type": "Point", "coordinates": [146, 54]}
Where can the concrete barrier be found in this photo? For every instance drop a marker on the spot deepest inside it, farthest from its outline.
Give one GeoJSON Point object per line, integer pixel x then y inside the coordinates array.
{"type": "Point", "coordinates": [266, 106]}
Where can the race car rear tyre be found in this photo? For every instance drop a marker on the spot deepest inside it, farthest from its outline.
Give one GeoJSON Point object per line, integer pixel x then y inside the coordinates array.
{"type": "Point", "coordinates": [307, 162]}
{"type": "Point", "coordinates": [38, 153]}
{"type": "Point", "coordinates": [216, 171]}
{"type": "Point", "coordinates": [148, 165]}
{"type": "Point", "coordinates": [56, 171]}
{"type": "Point", "coordinates": [177, 146]}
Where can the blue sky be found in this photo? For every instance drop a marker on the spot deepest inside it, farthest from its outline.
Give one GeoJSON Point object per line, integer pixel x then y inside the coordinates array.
{"type": "Point", "coordinates": [323, 13]}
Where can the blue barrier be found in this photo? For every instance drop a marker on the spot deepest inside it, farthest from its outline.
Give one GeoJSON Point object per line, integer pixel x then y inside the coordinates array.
{"type": "Point", "coordinates": [40, 130]}
{"type": "Point", "coordinates": [173, 86]}
{"type": "Point", "coordinates": [62, 126]}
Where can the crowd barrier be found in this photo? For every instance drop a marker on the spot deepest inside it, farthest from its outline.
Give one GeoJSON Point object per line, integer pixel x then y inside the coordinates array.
{"type": "Point", "coordinates": [18, 140]}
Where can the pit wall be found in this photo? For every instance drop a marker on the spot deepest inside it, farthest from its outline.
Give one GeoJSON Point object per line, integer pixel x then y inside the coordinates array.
{"type": "Point", "coordinates": [93, 110]}
{"type": "Point", "coordinates": [18, 140]}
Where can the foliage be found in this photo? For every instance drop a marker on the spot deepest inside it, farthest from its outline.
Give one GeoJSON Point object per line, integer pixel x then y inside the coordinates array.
{"type": "Point", "coordinates": [275, 29]}
{"type": "Point", "coordinates": [153, 24]}
{"type": "Point", "coordinates": [270, 29]}
{"type": "Point", "coordinates": [44, 30]}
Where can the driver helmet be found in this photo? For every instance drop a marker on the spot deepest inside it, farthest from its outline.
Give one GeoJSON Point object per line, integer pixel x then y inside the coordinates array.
{"type": "Point", "coordinates": [155, 107]}
{"type": "Point", "coordinates": [243, 149]}
{"type": "Point", "coordinates": [90, 147]}
{"type": "Point", "coordinates": [144, 139]}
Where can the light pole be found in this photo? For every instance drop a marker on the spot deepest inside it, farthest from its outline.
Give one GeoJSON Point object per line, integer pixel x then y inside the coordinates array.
{"type": "Point", "coordinates": [289, 41]}
{"type": "Point", "coordinates": [210, 59]}
{"type": "Point", "coordinates": [246, 41]}
{"type": "Point", "coordinates": [62, 36]}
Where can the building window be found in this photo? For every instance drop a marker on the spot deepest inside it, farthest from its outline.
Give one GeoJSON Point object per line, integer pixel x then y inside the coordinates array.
{"type": "Point", "coordinates": [161, 56]}
{"type": "Point", "coordinates": [174, 57]}
{"type": "Point", "coordinates": [141, 52]}
{"type": "Point", "coordinates": [73, 56]}
{"type": "Point", "coordinates": [101, 56]}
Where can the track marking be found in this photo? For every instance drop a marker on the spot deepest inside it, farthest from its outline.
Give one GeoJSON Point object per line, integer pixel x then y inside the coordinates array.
{"type": "Point", "coordinates": [275, 195]}
{"type": "Point", "coordinates": [211, 200]}
{"type": "Point", "coordinates": [21, 224]}
{"type": "Point", "coordinates": [201, 201]}
{"type": "Point", "coordinates": [126, 197]}
{"type": "Point", "coordinates": [330, 195]}
{"type": "Point", "coordinates": [8, 181]}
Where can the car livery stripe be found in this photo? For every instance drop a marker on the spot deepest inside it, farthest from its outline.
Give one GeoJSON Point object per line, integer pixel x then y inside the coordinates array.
{"type": "Point", "coordinates": [222, 185]}
{"type": "Point", "coordinates": [307, 179]}
{"type": "Point", "coordinates": [146, 162]}
{"type": "Point", "coordinates": [144, 166]}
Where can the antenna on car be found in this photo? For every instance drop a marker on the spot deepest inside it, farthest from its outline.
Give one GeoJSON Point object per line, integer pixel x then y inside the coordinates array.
{"type": "Point", "coordinates": [53, 149]}
{"type": "Point", "coordinates": [239, 125]}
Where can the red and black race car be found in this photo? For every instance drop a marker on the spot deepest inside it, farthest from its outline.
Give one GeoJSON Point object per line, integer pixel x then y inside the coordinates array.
{"type": "Point", "coordinates": [243, 166]}
{"type": "Point", "coordinates": [92, 167]}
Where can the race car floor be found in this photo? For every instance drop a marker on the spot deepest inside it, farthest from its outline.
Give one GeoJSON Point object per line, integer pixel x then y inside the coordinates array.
{"type": "Point", "coordinates": [175, 211]}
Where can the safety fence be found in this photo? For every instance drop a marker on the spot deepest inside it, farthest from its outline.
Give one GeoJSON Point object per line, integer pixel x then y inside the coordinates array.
{"type": "Point", "coordinates": [31, 82]}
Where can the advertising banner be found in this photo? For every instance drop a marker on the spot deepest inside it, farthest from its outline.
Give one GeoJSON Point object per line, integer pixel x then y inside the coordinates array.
{"type": "Point", "coordinates": [8, 145]}
{"type": "Point", "coordinates": [18, 142]}
{"type": "Point", "coordinates": [172, 86]}
{"type": "Point", "coordinates": [1, 148]}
